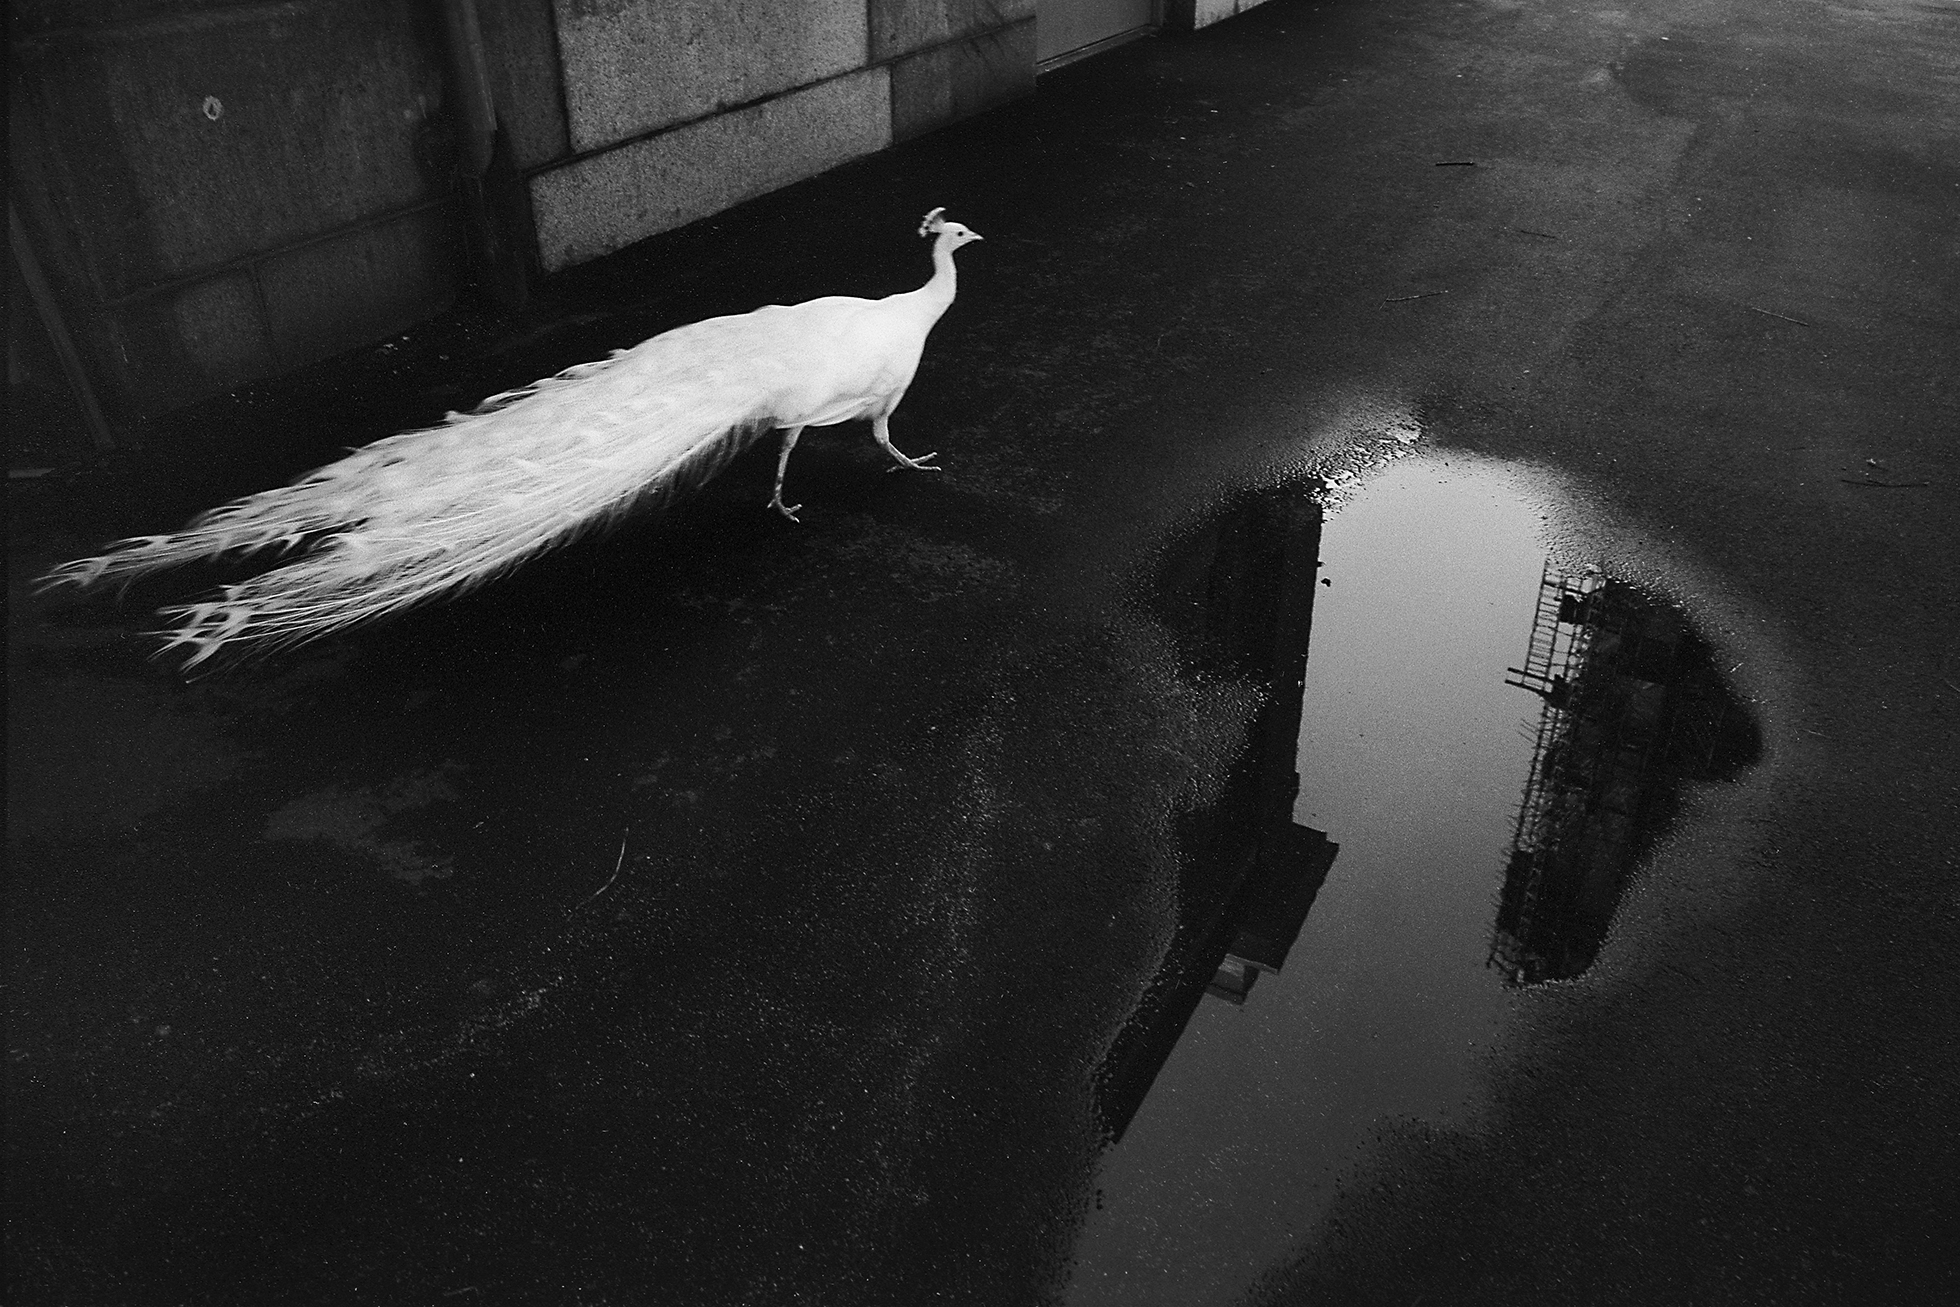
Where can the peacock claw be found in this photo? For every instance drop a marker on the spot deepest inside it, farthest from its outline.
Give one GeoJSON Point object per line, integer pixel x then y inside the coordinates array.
{"type": "Point", "coordinates": [919, 464]}
{"type": "Point", "coordinates": [787, 510]}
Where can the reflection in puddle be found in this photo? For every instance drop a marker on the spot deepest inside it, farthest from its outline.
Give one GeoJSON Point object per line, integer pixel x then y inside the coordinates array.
{"type": "Point", "coordinates": [1633, 705]}
{"type": "Point", "coordinates": [1239, 595]}
{"type": "Point", "coordinates": [1411, 752]}
{"type": "Point", "coordinates": [1413, 742]}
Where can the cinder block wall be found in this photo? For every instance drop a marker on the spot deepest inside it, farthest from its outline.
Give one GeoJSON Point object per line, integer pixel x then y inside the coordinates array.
{"type": "Point", "coordinates": [677, 109]}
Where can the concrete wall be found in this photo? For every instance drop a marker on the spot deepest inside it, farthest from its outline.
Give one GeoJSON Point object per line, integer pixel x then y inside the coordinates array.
{"type": "Point", "coordinates": [676, 109]}
{"type": "Point", "coordinates": [221, 192]}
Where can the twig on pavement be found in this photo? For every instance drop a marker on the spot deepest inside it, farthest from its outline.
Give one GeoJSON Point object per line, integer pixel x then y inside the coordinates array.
{"type": "Point", "coordinates": [618, 862]}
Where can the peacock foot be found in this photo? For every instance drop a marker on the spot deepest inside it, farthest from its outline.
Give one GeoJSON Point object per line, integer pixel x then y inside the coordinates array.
{"type": "Point", "coordinates": [787, 510]}
{"type": "Point", "coordinates": [919, 464]}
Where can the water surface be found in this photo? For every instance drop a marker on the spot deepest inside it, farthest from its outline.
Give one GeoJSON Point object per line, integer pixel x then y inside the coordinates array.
{"type": "Point", "coordinates": [1413, 754]}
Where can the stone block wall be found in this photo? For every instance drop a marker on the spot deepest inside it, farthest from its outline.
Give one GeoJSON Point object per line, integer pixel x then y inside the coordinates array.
{"type": "Point", "coordinates": [678, 109]}
{"type": "Point", "coordinates": [221, 192]}
{"type": "Point", "coordinates": [1189, 15]}
{"type": "Point", "coordinates": [218, 191]}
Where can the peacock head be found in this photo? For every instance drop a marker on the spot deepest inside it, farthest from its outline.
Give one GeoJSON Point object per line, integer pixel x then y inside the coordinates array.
{"type": "Point", "coordinates": [952, 233]}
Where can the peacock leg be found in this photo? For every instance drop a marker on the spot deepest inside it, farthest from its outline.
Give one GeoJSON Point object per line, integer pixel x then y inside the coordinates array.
{"type": "Point", "coordinates": [881, 428]}
{"type": "Point", "coordinates": [782, 466]}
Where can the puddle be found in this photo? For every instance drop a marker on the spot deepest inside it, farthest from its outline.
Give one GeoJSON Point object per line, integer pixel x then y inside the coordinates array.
{"type": "Point", "coordinates": [1484, 746]}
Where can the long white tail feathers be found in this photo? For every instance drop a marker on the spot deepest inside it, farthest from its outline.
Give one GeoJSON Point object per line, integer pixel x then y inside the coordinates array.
{"type": "Point", "coordinates": [434, 512]}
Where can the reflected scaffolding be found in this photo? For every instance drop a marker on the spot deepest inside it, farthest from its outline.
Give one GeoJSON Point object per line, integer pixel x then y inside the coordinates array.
{"type": "Point", "coordinates": [1633, 707]}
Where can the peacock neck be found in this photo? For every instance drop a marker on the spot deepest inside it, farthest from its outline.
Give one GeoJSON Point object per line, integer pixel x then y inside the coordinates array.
{"type": "Point", "coordinates": [945, 281]}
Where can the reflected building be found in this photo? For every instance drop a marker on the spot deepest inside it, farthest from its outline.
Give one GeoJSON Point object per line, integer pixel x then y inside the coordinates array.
{"type": "Point", "coordinates": [1633, 709]}
{"type": "Point", "coordinates": [1239, 596]}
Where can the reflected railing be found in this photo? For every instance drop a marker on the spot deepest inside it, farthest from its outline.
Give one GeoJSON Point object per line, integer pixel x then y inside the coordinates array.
{"type": "Point", "coordinates": [1633, 707]}
{"type": "Point", "coordinates": [1238, 594]}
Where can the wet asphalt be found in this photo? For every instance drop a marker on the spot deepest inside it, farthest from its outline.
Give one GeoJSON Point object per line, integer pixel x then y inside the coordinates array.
{"type": "Point", "coordinates": [722, 910]}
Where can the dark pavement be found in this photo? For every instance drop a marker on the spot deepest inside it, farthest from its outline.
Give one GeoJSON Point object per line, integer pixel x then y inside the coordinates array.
{"type": "Point", "coordinates": [321, 985]}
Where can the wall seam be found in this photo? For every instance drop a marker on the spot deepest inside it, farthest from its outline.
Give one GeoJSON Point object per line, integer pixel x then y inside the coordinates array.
{"type": "Point", "coordinates": [272, 345]}
{"type": "Point", "coordinates": [250, 263]}
{"type": "Point", "coordinates": [564, 100]}
{"type": "Point", "coordinates": [141, 28]}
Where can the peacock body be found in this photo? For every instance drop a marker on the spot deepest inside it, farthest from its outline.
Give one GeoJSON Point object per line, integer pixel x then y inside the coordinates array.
{"type": "Point", "coordinates": [433, 512]}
